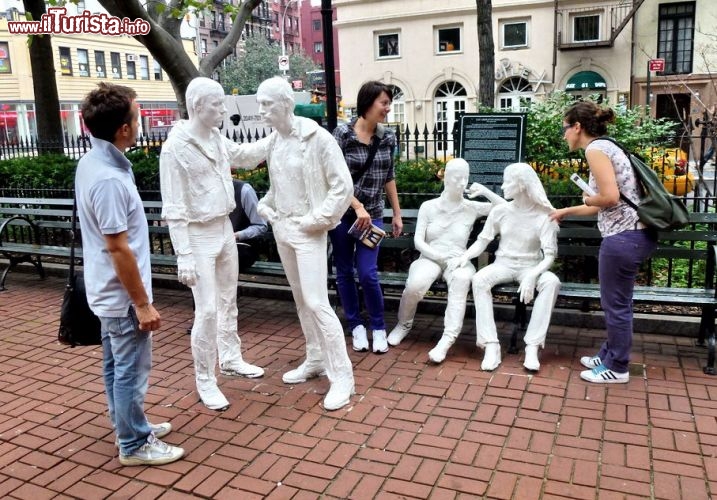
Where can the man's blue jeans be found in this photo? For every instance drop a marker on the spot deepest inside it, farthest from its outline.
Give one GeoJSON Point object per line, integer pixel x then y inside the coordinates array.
{"type": "Point", "coordinates": [126, 363]}
{"type": "Point", "coordinates": [619, 260]}
{"type": "Point", "coordinates": [349, 253]}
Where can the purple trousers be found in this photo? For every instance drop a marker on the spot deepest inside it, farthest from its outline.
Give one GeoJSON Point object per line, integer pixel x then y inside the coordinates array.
{"type": "Point", "coordinates": [349, 255]}
{"type": "Point", "coordinates": [619, 260]}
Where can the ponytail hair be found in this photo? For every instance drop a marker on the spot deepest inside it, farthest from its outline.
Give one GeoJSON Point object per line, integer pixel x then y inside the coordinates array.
{"type": "Point", "coordinates": [593, 118]}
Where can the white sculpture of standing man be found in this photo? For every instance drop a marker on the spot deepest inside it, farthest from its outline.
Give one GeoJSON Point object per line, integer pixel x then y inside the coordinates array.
{"type": "Point", "coordinates": [442, 230]}
{"type": "Point", "coordinates": [527, 249]}
{"type": "Point", "coordinates": [197, 197]}
{"type": "Point", "coordinates": [310, 189]}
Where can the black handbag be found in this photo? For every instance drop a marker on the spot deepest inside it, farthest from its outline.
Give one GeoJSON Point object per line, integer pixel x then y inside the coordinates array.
{"type": "Point", "coordinates": [78, 324]}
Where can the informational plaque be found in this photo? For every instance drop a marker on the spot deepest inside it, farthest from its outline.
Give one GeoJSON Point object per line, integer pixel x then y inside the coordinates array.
{"type": "Point", "coordinates": [489, 142]}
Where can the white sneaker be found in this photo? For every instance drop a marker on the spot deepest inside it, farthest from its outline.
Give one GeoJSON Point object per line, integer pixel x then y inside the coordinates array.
{"type": "Point", "coordinates": [590, 361]}
{"type": "Point", "coordinates": [380, 345]}
{"type": "Point", "coordinates": [399, 333]}
{"type": "Point", "coordinates": [159, 431]}
{"type": "Point", "coordinates": [531, 358]}
{"type": "Point", "coordinates": [241, 369]}
{"type": "Point", "coordinates": [438, 353]}
{"type": "Point", "coordinates": [304, 372]}
{"type": "Point", "coordinates": [360, 337]}
{"type": "Point", "coordinates": [491, 358]}
{"type": "Point", "coordinates": [153, 452]}
{"type": "Point", "coordinates": [339, 395]}
{"type": "Point", "coordinates": [212, 397]}
{"type": "Point", "coordinates": [601, 374]}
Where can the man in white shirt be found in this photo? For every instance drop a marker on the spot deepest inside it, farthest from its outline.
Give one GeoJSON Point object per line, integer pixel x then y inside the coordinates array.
{"type": "Point", "coordinates": [197, 197]}
{"type": "Point", "coordinates": [310, 189]}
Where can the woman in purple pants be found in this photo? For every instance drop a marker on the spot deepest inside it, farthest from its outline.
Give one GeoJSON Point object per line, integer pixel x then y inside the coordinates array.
{"type": "Point", "coordinates": [368, 148]}
{"type": "Point", "coordinates": [626, 241]}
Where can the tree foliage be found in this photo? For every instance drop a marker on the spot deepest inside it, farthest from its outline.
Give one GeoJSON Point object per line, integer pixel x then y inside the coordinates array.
{"type": "Point", "coordinates": [164, 41]}
{"type": "Point", "coordinates": [259, 62]}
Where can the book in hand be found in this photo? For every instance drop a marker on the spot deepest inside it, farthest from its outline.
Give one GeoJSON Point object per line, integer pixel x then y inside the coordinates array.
{"type": "Point", "coordinates": [371, 236]}
{"type": "Point", "coordinates": [582, 184]}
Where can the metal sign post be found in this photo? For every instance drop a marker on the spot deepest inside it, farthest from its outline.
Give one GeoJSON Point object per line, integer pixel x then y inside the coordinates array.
{"type": "Point", "coordinates": [657, 65]}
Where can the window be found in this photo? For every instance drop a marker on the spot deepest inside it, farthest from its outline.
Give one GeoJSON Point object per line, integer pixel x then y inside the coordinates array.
{"type": "Point", "coordinates": [514, 34]}
{"type": "Point", "coordinates": [586, 28]}
{"type": "Point", "coordinates": [398, 106]}
{"type": "Point", "coordinates": [143, 67]}
{"type": "Point", "coordinates": [116, 66]}
{"type": "Point", "coordinates": [65, 61]}
{"type": "Point", "coordinates": [5, 58]}
{"type": "Point", "coordinates": [449, 102]}
{"type": "Point", "coordinates": [515, 94]}
{"type": "Point", "coordinates": [100, 64]}
{"type": "Point", "coordinates": [83, 61]}
{"type": "Point", "coordinates": [157, 70]}
{"type": "Point", "coordinates": [131, 68]}
{"type": "Point", "coordinates": [676, 37]}
{"type": "Point", "coordinates": [449, 39]}
{"type": "Point", "coordinates": [318, 47]}
{"type": "Point", "coordinates": [388, 45]}
{"type": "Point", "coordinates": [204, 46]}
{"type": "Point", "coordinates": [316, 24]}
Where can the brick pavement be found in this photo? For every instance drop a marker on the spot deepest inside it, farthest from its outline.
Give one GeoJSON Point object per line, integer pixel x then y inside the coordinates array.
{"type": "Point", "coordinates": [413, 430]}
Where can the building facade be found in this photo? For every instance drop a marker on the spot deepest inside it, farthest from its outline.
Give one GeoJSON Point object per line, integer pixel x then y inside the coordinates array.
{"type": "Point", "coordinates": [312, 40]}
{"type": "Point", "coordinates": [428, 50]}
{"type": "Point", "coordinates": [81, 61]}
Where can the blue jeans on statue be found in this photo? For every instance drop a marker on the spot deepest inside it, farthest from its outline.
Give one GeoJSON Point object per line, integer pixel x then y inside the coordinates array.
{"type": "Point", "coordinates": [126, 363]}
{"type": "Point", "coordinates": [350, 254]}
{"type": "Point", "coordinates": [619, 260]}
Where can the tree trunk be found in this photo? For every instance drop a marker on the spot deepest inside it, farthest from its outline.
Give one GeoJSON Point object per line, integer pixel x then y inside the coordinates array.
{"type": "Point", "coordinates": [44, 85]}
{"type": "Point", "coordinates": [486, 53]}
{"type": "Point", "coordinates": [165, 44]}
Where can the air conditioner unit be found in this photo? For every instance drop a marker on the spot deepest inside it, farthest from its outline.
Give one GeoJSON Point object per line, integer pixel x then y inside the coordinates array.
{"type": "Point", "coordinates": [132, 57]}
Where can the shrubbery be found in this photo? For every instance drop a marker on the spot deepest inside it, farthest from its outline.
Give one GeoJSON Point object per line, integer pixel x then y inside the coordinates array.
{"type": "Point", "coordinates": [546, 150]}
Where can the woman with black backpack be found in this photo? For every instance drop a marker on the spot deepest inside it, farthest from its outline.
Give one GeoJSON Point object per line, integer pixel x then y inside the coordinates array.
{"type": "Point", "coordinates": [626, 243]}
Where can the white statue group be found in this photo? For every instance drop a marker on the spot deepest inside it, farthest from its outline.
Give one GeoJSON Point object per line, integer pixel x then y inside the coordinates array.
{"type": "Point", "coordinates": [310, 190]}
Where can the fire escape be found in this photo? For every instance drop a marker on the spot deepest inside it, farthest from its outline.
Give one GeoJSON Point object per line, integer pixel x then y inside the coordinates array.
{"type": "Point", "coordinates": [598, 25]}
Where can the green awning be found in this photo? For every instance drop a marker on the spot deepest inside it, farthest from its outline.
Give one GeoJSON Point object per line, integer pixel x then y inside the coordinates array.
{"type": "Point", "coordinates": [311, 110]}
{"type": "Point", "coordinates": [586, 80]}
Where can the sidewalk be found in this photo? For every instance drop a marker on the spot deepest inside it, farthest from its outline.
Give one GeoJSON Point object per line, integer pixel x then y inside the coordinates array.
{"type": "Point", "coordinates": [413, 430]}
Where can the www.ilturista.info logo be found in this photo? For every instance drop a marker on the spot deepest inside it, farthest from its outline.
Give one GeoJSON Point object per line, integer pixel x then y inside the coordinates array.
{"type": "Point", "coordinates": [57, 21]}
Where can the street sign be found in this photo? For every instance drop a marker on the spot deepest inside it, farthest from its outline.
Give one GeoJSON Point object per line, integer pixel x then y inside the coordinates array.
{"type": "Point", "coordinates": [283, 63]}
{"type": "Point", "coordinates": [656, 65]}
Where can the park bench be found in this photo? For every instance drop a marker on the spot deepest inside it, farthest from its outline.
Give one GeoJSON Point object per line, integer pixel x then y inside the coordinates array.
{"type": "Point", "coordinates": [576, 265]}
{"type": "Point", "coordinates": [33, 228]}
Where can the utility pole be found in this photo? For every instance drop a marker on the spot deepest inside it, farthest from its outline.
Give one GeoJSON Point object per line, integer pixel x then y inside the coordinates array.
{"type": "Point", "coordinates": [329, 73]}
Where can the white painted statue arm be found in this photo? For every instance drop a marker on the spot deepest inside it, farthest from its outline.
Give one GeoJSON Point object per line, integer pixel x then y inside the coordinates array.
{"type": "Point", "coordinates": [247, 155]}
{"type": "Point", "coordinates": [340, 189]}
{"type": "Point", "coordinates": [173, 185]}
{"type": "Point", "coordinates": [419, 237]}
{"type": "Point", "coordinates": [549, 245]}
{"type": "Point", "coordinates": [471, 252]}
{"type": "Point", "coordinates": [476, 189]}
{"type": "Point", "coordinates": [526, 289]}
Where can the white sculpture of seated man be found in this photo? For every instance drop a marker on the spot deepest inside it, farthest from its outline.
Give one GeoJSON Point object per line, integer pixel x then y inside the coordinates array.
{"type": "Point", "coordinates": [442, 230]}
{"type": "Point", "coordinates": [527, 249]}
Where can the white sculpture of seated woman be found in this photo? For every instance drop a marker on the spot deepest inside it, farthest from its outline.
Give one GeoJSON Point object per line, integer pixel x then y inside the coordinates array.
{"type": "Point", "coordinates": [527, 249]}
